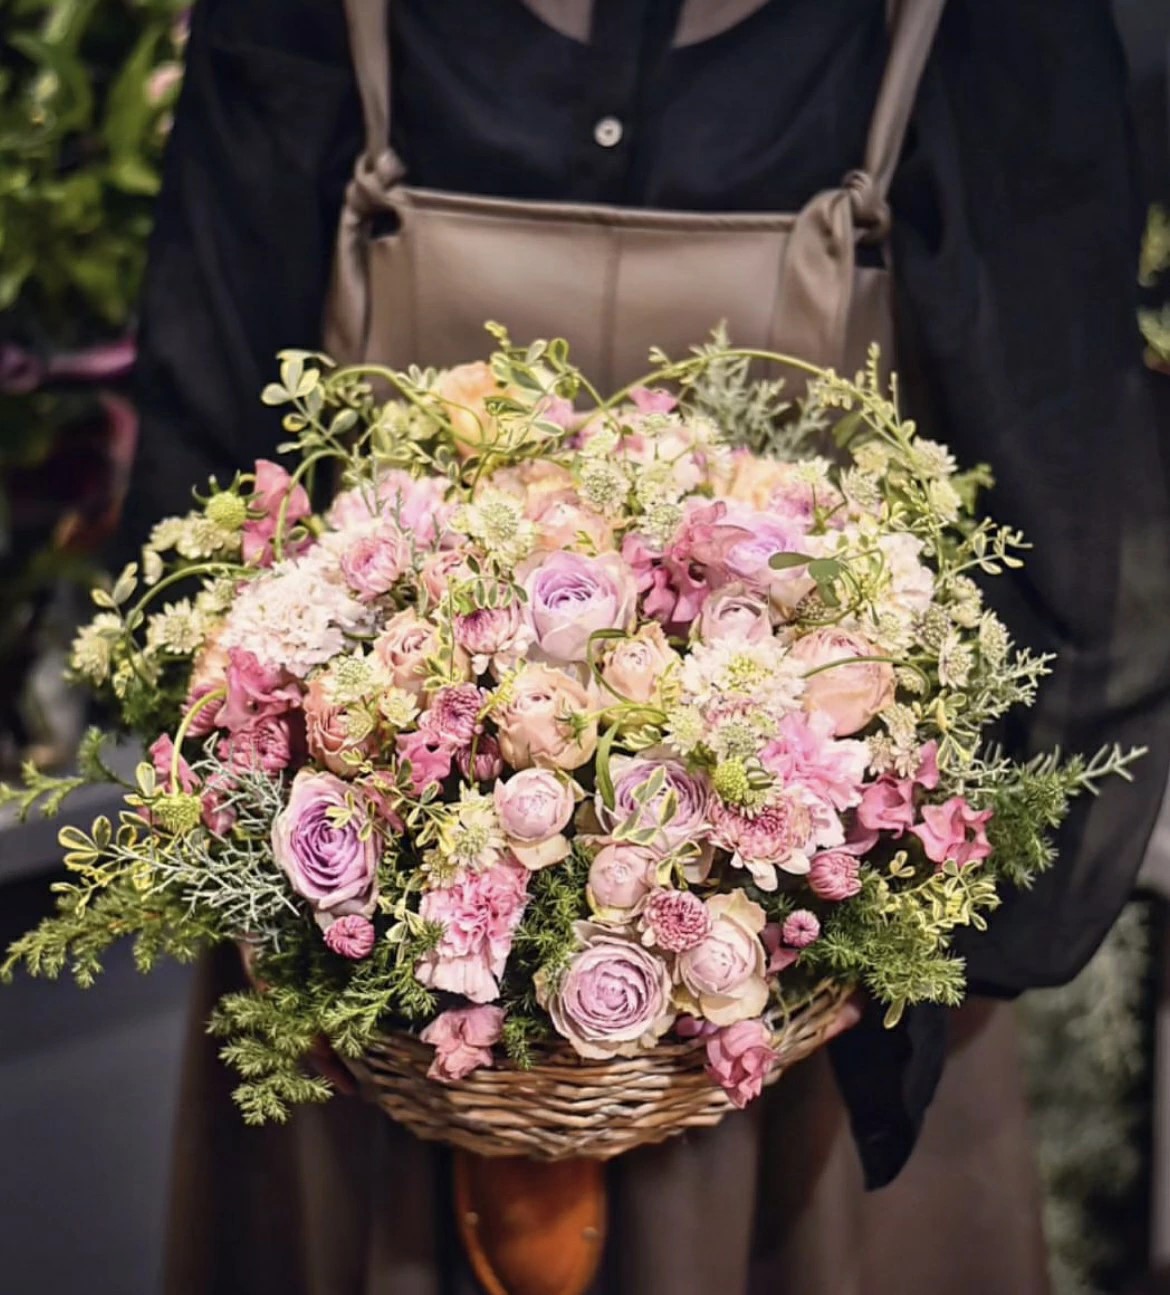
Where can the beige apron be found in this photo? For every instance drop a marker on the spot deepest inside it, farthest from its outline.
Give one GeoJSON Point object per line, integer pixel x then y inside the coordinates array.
{"type": "Point", "coordinates": [343, 1202]}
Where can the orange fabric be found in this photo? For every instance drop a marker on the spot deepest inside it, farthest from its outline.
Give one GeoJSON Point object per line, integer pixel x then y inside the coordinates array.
{"type": "Point", "coordinates": [531, 1228]}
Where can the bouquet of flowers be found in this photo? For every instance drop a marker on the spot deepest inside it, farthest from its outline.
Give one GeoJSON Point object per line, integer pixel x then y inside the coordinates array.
{"type": "Point", "coordinates": [612, 738]}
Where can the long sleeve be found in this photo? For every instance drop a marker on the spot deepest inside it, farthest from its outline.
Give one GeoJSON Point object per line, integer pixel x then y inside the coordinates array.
{"type": "Point", "coordinates": [264, 137]}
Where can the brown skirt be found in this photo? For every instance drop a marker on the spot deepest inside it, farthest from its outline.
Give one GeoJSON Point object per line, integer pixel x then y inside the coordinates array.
{"type": "Point", "coordinates": [341, 1201]}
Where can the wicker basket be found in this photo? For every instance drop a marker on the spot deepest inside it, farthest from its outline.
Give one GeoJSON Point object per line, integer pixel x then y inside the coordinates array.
{"type": "Point", "coordinates": [565, 1107]}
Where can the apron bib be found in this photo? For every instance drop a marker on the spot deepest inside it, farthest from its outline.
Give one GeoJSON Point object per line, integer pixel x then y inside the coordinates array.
{"type": "Point", "coordinates": [613, 281]}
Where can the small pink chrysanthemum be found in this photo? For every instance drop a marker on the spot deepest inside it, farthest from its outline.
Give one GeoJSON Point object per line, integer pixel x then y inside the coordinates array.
{"type": "Point", "coordinates": [675, 920]}
{"type": "Point", "coordinates": [800, 929]}
{"type": "Point", "coordinates": [452, 719]}
{"type": "Point", "coordinates": [351, 936]}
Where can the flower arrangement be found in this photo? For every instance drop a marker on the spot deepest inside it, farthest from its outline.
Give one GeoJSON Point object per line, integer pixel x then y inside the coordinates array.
{"type": "Point", "coordinates": [567, 725]}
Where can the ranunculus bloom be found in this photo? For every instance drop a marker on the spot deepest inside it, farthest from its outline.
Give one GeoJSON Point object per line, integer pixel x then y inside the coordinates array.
{"type": "Point", "coordinates": [548, 720]}
{"type": "Point", "coordinates": [265, 745]}
{"type": "Point", "coordinates": [479, 914]}
{"type": "Point", "coordinates": [689, 792]}
{"type": "Point", "coordinates": [323, 841]}
{"type": "Point", "coordinates": [835, 876]}
{"type": "Point", "coordinates": [572, 596]}
{"type": "Point", "coordinates": [852, 695]}
{"type": "Point", "coordinates": [327, 733]}
{"type": "Point", "coordinates": [636, 667]}
{"type": "Point", "coordinates": [722, 978]}
{"type": "Point", "coordinates": [534, 807]}
{"type": "Point", "coordinates": [403, 648]}
{"type": "Point", "coordinates": [614, 999]}
{"type": "Point", "coordinates": [800, 929]}
{"type": "Point", "coordinates": [954, 832]}
{"type": "Point", "coordinates": [620, 877]}
{"type": "Point", "coordinates": [675, 920]}
{"type": "Point", "coordinates": [351, 936]}
{"type": "Point", "coordinates": [254, 691]}
{"type": "Point", "coordinates": [375, 559]}
{"type": "Point", "coordinates": [734, 612]}
{"type": "Point", "coordinates": [462, 1039]}
{"type": "Point", "coordinates": [272, 485]}
{"type": "Point", "coordinates": [740, 1058]}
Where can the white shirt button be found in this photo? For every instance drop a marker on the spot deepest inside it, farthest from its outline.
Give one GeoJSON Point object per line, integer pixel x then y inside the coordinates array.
{"type": "Point", "coordinates": [608, 132]}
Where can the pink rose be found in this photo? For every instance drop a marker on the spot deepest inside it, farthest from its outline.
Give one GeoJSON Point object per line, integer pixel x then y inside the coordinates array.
{"type": "Point", "coordinates": [954, 832]}
{"type": "Point", "coordinates": [852, 695]}
{"type": "Point", "coordinates": [740, 1058]}
{"type": "Point", "coordinates": [635, 668]}
{"type": "Point", "coordinates": [430, 760]}
{"type": "Point", "coordinates": [620, 878]}
{"type": "Point", "coordinates": [323, 841]}
{"type": "Point", "coordinates": [800, 929]}
{"type": "Point", "coordinates": [272, 486]}
{"type": "Point", "coordinates": [734, 613]}
{"type": "Point", "coordinates": [835, 876]}
{"type": "Point", "coordinates": [463, 393]}
{"type": "Point", "coordinates": [404, 647]}
{"type": "Point", "coordinates": [479, 914]}
{"type": "Point", "coordinates": [547, 720]}
{"type": "Point", "coordinates": [724, 975]}
{"type": "Point", "coordinates": [571, 597]}
{"type": "Point", "coordinates": [462, 1038]}
{"type": "Point", "coordinates": [675, 920]}
{"type": "Point", "coordinates": [443, 569]}
{"type": "Point", "coordinates": [254, 691]}
{"type": "Point", "coordinates": [614, 999]}
{"type": "Point", "coordinates": [351, 937]}
{"type": "Point", "coordinates": [742, 549]}
{"type": "Point", "coordinates": [265, 745]}
{"type": "Point", "coordinates": [374, 560]}
{"type": "Point", "coordinates": [534, 807]}
{"type": "Point", "coordinates": [327, 733]}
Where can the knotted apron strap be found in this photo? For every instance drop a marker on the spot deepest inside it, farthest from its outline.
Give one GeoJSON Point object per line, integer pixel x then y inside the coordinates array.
{"type": "Point", "coordinates": [377, 173]}
{"type": "Point", "coordinates": [815, 293]}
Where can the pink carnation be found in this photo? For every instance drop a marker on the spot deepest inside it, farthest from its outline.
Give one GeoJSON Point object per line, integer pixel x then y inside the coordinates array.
{"type": "Point", "coordinates": [351, 936]}
{"type": "Point", "coordinates": [479, 914]}
{"type": "Point", "coordinates": [740, 1058]}
{"type": "Point", "coordinates": [272, 486]}
{"type": "Point", "coordinates": [835, 876]}
{"type": "Point", "coordinates": [675, 920]}
{"type": "Point", "coordinates": [206, 719]}
{"type": "Point", "coordinates": [462, 1039]}
{"type": "Point", "coordinates": [264, 745]}
{"type": "Point", "coordinates": [806, 752]}
{"type": "Point", "coordinates": [162, 752]}
{"type": "Point", "coordinates": [954, 832]}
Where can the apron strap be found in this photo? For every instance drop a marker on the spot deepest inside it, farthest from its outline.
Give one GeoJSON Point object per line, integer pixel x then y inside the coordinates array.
{"type": "Point", "coordinates": [369, 43]}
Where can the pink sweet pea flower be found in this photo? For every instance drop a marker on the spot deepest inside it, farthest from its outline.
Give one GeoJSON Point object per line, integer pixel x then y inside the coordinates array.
{"type": "Point", "coordinates": [647, 401]}
{"type": "Point", "coordinates": [954, 831]}
{"type": "Point", "coordinates": [462, 1039]}
{"type": "Point", "coordinates": [272, 485]}
{"type": "Point", "coordinates": [430, 760]}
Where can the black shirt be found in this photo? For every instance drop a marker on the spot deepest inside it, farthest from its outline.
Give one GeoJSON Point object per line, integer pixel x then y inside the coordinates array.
{"type": "Point", "coordinates": [1015, 240]}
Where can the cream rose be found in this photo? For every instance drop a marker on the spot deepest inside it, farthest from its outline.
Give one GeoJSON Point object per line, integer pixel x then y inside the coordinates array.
{"type": "Point", "coordinates": [636, 667]}
{"type": "Point", "coordinates": [850, 693]}
{"type": "Point", "coordinates": [547, 720]}
{"type": "Point", "coordinates": [722, 979]}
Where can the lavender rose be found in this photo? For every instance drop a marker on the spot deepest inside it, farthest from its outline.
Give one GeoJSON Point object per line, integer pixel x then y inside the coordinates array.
{"type": "Point", "coordinates": [534, 807]}
{"type": "Point", "coordinates": [850, 694]}
{"type": "Point", "coordinates": [614, 999]}
{"type": "Point", "coordinates": [722, 978]}
{"type": "Point", "coordinates": [689, 792]}
{"type": "Point", "coordinates": [571, 597]}
{"type": "Point", "coordinates": [324, 842]}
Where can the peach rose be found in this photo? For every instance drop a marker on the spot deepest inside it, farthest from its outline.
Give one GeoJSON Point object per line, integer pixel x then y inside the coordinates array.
{"type": "Point", "coordinates": [463, 392]}
{"type": "Point", "coordinates": [547, 720]}
{"type": "Point", "coordinates": [636, 667]}
{"type": "Point", "coordinates": [723, 977]}
{"type": "Point", "coordinates": [327, 733]}
{"type": "Point", "coordinates": [850, 694]}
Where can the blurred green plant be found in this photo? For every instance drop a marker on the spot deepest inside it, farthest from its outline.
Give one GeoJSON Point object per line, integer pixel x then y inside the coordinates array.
{"type": "Point", "coordinates": [86, 93]}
